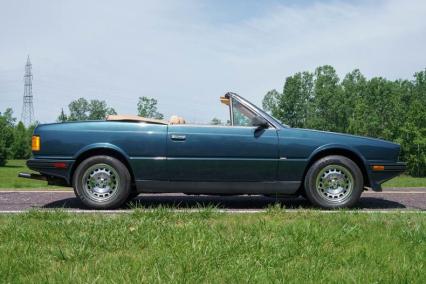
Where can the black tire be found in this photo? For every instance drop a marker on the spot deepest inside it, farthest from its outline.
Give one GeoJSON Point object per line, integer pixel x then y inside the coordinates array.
{"type": "Point", "coordinates": [334, 182]}
{"type": "Point", "coordinates": [96, 168]}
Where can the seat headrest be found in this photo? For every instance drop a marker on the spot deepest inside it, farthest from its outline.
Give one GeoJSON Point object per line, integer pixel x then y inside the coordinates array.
{"type": "Point", "coordinates": [174, 119]}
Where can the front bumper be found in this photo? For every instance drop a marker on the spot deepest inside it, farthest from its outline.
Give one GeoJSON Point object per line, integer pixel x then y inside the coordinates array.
{"type": "Point", "coordinates": [381, 172]}
{"type": "Point", "coordinates": [52, 169]}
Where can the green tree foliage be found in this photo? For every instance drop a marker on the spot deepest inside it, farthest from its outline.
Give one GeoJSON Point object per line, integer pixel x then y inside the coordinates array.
{"type": "Point", "coordinates": [271, 103]}
{"type": "Point", "coordinates": [82, 109]}
{"type": "Point", "coordinates": [391, 110]}
{"type": "Point", "coordinates": [147, 107]}
{"type": "Point", "coordinates": [354, 87]}
{"type": "Point", "coordinates": [21, 146]}
{"type": "Point", "coordinates": [328, 100]}
{"type": "Point", "coordinates": [6, 134]}
{"type": "Point", "coordinates": [79, 110]}
{"type": "Point", "coordinates": [99, 110]}
{"type": "Point", "coordinates": [62, 117]}
{"type": "Point", "coordinates": [413, 131]}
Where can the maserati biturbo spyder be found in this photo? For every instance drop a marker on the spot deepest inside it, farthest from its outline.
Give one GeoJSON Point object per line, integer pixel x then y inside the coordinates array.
{"type": "Point", "coordinates": [109, 161]}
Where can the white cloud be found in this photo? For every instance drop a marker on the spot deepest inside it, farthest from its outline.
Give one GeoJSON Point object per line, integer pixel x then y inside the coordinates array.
{"type": "Point", "coordinates": [178, 52]}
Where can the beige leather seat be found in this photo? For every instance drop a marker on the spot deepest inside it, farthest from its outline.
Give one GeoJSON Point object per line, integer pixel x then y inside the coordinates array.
{"type": "Point", "coordinates": [174, 119]}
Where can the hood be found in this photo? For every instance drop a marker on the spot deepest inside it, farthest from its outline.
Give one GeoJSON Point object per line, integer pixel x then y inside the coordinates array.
{"type": "Point", "coordinates": [338, 135]}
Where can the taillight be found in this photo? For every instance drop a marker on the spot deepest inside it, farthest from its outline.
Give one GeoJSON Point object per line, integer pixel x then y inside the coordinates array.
{"type": "Point", "coordinates": [35, 143]}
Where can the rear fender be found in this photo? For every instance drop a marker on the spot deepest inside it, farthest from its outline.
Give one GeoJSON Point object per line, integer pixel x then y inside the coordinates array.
{"type": "Point", "coordinates": [108, 146]}
{"type": "Point", "coordinates": [100, 149]}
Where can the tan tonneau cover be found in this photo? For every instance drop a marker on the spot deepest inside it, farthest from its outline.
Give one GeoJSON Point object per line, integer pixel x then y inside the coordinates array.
{"type": "Point", "coordinates": [135, 118]}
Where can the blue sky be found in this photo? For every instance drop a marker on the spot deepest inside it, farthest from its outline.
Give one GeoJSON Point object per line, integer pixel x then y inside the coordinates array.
{"type": "Point", "coordinates": [187, 53]}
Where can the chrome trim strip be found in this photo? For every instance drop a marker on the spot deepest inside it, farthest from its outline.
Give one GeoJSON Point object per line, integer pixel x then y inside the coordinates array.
{"type": "Point", "coordinates": [220, 159]}
{"type": "Point", "coordinates": [148, 158]}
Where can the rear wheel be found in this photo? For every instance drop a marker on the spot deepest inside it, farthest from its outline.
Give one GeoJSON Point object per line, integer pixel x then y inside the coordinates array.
{"type": "Point", "coordinates": [102, 182]}
{"type": "Point", "coordinates": [334, 182]}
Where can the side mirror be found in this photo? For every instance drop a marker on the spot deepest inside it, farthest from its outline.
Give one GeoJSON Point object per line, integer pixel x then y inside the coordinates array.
{"type": "Point", "coordinates": [259, 122]}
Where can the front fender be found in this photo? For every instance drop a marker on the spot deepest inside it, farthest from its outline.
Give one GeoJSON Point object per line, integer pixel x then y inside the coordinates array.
{"type": "Point", "coordinates": [335, 146]}
{"type": "Point", "coordinates": [345, 150]}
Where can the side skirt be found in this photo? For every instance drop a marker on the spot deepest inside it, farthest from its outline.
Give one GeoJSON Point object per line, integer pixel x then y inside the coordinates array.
{"type": "Point", "coordinates": [275, 187]}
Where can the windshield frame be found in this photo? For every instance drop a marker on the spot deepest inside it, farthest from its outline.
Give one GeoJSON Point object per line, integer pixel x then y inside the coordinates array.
{"type": "Point", "coordinates": [271, 120]}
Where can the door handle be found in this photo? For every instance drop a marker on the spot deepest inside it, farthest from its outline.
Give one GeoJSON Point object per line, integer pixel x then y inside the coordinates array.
{"type": "Point", "coordinates": [178, 137]}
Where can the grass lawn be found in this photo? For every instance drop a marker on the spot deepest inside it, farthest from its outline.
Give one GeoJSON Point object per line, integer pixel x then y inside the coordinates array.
{"type": "Point", "coordinates": [206, 247]}
{"type": "Point", "coordinates": [406, 181]}
{"type": "Point", "coordinates": [9, 177]}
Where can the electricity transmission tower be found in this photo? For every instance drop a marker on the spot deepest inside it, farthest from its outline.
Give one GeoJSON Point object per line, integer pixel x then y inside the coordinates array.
{"type": "Point", "coordinates": [27, 116]}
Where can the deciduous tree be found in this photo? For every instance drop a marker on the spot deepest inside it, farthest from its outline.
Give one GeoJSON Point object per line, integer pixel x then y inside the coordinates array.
{"type": "Point", "coordinates": [21, 147]}
{"type": "Point", "coordinates": [81, 109]}
{"type": "Point", "coordinates": [6, 135]}
{"type": "Point", "coordinates": [147, 107]}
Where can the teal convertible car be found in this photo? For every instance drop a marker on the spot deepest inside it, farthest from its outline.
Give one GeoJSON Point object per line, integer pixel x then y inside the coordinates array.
{"type": "Point", "coordinates": [107, 162]}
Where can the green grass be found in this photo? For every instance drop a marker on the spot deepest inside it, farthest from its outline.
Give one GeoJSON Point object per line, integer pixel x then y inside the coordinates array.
{"type": "Point", "coordinates": [162, 246]}
{"type": "Point", "coordinates": [9, 177]}
{"type": "Point", "coordinates": [406, 181]}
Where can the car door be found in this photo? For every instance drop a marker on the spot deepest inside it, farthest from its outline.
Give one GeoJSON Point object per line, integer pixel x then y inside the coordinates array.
{"type": "Point", "coordinates": [221, 153]}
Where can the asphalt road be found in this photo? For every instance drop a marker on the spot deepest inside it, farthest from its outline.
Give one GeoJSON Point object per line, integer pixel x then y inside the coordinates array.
{"type": "Point", "coordinates": [389, 199]}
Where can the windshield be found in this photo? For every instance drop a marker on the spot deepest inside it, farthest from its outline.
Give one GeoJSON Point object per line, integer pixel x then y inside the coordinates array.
{"type": "Point", "coordinates": [241, 115]}
{"type": "Point", "coordinates": [262, 112]}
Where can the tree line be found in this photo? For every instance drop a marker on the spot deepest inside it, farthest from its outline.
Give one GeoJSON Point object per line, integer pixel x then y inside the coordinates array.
{"type": "Point", "coordinates": [376, 107]}
{"type": "Point", "coordinates": [82, 109]}
{"type": "Point", "coordinates": [15, 138]}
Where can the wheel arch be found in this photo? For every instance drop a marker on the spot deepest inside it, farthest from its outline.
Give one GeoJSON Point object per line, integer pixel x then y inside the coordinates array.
{"type": "Point", "coordinates": [101, 149]}
{"type": "Point", "coordinates": [342, 151]}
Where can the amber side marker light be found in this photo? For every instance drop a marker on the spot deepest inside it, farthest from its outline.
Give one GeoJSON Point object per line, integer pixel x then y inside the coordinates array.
{"type": "Point", "coordinates": [378, 168]}
{"type": "Point", "coordinates": [35, 143]}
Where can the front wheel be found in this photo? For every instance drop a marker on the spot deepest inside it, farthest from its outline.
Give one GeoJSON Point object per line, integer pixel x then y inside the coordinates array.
{"type": "Point", "coordinates": [334, 182]}
{"type": "Point", "coordinates": [102, 182]}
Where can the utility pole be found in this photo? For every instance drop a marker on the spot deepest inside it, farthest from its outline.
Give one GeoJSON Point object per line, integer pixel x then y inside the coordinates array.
{"type": "Point", "coordinates": [27, 115]}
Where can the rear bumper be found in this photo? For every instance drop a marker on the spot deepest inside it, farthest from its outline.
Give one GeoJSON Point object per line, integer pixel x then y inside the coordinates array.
{"type": "Point", "coordinates": [389, 171]}
{"type": "Point", "coordinates": [52, 169]}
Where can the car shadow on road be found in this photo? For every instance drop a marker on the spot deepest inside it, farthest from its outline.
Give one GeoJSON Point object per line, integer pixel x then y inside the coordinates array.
{"type": "Point", "coordinates": [224, 202]}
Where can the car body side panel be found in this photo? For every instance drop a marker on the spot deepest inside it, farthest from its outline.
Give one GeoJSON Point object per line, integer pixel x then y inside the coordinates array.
{"type": "Point", "coordinates": [142, 144]}
{"type": "Point", "coordinates": [222, 153]}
